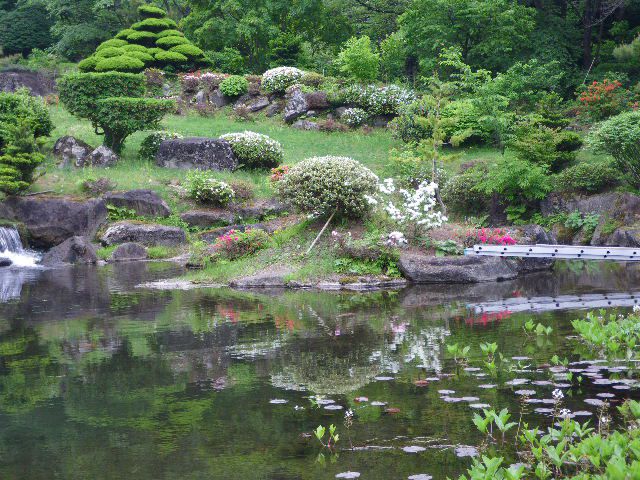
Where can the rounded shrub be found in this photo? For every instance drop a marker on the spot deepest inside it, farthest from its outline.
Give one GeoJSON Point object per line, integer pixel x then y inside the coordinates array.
{"type": "Point", "coordinates": [154, 24]}
{"type": "Point", "coordinates": [174, 58]}
{"type": "Point", "coordinates": [354, 117]}
{"type": "Point", "coordinates": [123, 34]}
{"type": "Point", "coordinates": [188, 50]}
{"type": "Point", "coordinates": [144, 56]}
{"type": "Point", "coordinates": [167, 42]}
{"type": "Point", "coordinates": [88, 64]}
{"type": "Point", "coordinates": [170, 33]}
{"type": "Point", "coordinates": [151, 11]}
{"type": "Point", "coordinates": [278, 79]}
{"type": "Point", "coordinates": [594, 177]}
{"type": "Point", "coordinates": [142, 37]}
{"type": "Point", "coordinates": [114, 42]}
{"type": "Point", "coordinates": [123, 63]}
{"type": "Point", "coordinates": [150, 145]}
{"type": "Point", "coordinates": [255, 150]}
{"type": "Point", "coordinates": [234, 86]}
{"type": "Point", "coordinates": [204, 187]}
{"type": "Point", "coordinates": [135, 48]}
{"type": "Point", "coordinates": [323, 185]}
{"type": "Point", "coordinates": [154, 51]}
{"type": "Point", "coordinates": [109, 52]}
{"type": "Point", "coordinates": [461, 193]}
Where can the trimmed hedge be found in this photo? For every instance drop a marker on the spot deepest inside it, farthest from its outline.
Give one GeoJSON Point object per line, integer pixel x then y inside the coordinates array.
{"type": "Point", "coordinates": [171, 41]}
{"type": "Point", "coordinates": [151, 11]}
{"type": "Point", "coordinates": [135, 48]}
{"type": "Point", "coordinates": [141, 37]}
{"type": "Point", "coordinates": [109, 52]}
{"type": "Point", "coordinates": [123, 34]}
{"type": "Point", "coordinates": [123, 63]}
{"type": "Point", "coordinates": [88, 64]}
{"type": "Point", "coordinates": [142, 56]}
{"type": "Point", "coordinates": [188, 50]}
{"type": "Point", "coordinates": [114, 42]}
{"type": "Point", "coordinates": [154, 24]}
{"type": "Point", "coordinates": [170, 33]}
{"type": "Point", "coordinates": [174, 58]}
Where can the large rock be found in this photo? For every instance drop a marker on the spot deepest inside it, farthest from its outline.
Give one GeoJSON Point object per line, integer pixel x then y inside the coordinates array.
{"type": "Point", "coordinates": [50, 221]}
{"type": "Point", "coordinates": [145, 233]}
{"type": "Point", "coordinates": [218, 99]}
{"type": "Point", "coordinates": [258, 104]}
{"type": "Point", "coordinates": [146, 203]}
{"type": "Point", "coordinates": [622, 206]}
{"type": "Point", "coordinates": [296, 105]}
{"type": "Point", "coordinates": [208, 218]}
{"type": "Point", "coordinates": [232, 214]}
{"type": "Point", "coordinates": [71, 151]}
{"type": "Point", "coordinates": [274, 109]}
{"type": "Point", "coordinates": [196, 153]}
{"type": "Point", "coordinates": [128, 252]}
{"type": "Point", "coordinates": [625, 237]}
{"type": "Point", "coordinates": [72, 250]}
{"type": "Point", "coordinates": [5, 262]}
{"type": "Point", "coordinates": [38, 83]}
{"type": "Point", "coordinates": [102, 156]}
{"type": "Point", "coordinates": [306, 125]}
{"type": "Point", "coordinates": [423, 268]}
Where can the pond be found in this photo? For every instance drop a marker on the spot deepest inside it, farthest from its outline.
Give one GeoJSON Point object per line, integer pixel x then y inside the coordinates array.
{"type": "Point", "coordinates": [103, 380]}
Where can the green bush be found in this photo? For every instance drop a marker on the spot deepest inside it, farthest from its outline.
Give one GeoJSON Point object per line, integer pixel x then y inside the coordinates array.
{"type": "Point", "coordinates": [358, 60]}
{"type": "Point", "coordinates": [167, 42]}
{"type": "Point", "coordinates": [123, 63]}
{"type": "Point", "coordinates": [234, 86]}
{"type": "Point", "coordinates": [84, 95]}
{"type": "Point", "coordinates": [408, 127]}
{"type": "Point", "coordinates": [585, 177]}
{"type": "Point", "coordinates": [188, 50]}
{"type": "Point", "coordinates": [541, 145]}
{"type": "Point", "coordinates": [16, 170]}
{"type": "Point", "coordinates": [151, 11]}
{"type": "Point", "coordinates": [150, 145]}
{"type": "Point", "coordinates": [113, 43]}
{"type": "Point", "coordinates": [460, 193]}
{"type": "Point", "coordinates": [146, 38]}
{"type": "Point", "coordinates": [124, 34]}
{"type": "Point", "coordinates": [235, 244]}
{"type": "Point", "coordinates": [278, 79]}
{"type": "Point", "coordinates": [135, 48]}
{"type": "Point", "coordinates": [169, 33]}
{"type": "Point", "coordinates": [619, 137]}
{"type": "Point", "coordinates": [88, 64]}
{"type": "Point", "coordinates": [254, 150]}
{"type": "Point", "coordinates": [142, 56]}
{"type": "Point", "coordinates": [154, 24]}
{"type": "Point", "coordinates": [229, 60]}
{"type": "Point", "coordinates": [516, 181]}
{"type": "Point", "coordinates": [109, 52]}
{"type": "Point", "coordinates": [324, 185]}
{"type": "Point", "coordinates": [22, 108]}
{"type": "Point", "coordinates": [25, 28]}
{"type": "Point", "coordinates": [171, 58]}
{"type": "Point", "coordinates": [204, 187]}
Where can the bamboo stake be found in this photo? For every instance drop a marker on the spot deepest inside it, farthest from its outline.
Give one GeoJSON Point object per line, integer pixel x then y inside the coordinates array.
{"type": "Point", "coordinates": [322, 231]}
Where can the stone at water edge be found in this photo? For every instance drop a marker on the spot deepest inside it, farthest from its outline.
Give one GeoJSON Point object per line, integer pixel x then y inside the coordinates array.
{"type": "Point", "coordinates": [5, 262]}
{"type": "Point", "coordinates": [128, 252]}
{"type": "Point", "coordinates": [71, 251]}
{"type": "Point", "coordinates": [71, 151]}
{"type": "Point", "coordinates": [49, 221]}
{"type": "Point", "coordinates": [146, 203]}
{"type": "Point", "coordinates": [197, 153]}
{"type": "Point", "coordinates": [148, 234]}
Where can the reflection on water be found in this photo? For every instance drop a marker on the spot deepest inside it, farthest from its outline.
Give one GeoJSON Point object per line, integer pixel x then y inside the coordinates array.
{"type": "Point", "coordinates": [100, 379]}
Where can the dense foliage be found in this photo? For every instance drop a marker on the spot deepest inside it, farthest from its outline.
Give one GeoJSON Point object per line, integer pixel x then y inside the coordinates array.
{"type": "Point", "coordinates": [255, 150]}
{"type": "Point", "coordinates": [113, 102]}
{"type": "Point", "coordinates": [205, 188]}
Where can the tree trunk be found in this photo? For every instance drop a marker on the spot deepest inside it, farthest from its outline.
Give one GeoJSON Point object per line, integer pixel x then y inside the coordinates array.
{"type": "Point", "coordinates": [587, 19]}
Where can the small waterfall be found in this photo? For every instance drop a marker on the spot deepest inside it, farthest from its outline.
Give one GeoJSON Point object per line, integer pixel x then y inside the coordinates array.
{"type": "Point", "coordinates": [11, 248]}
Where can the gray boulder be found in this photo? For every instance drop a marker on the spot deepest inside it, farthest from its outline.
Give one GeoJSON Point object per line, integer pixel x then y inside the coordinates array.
{"type": "Point", "coordinates": [71, 151]}
{"type": "Point", "coordinates": [5, 262]}
{"type": "Point", "coordinates": [258, 104]}
{"type": "Point", "coordinates": [625, 237]}
{"type": "Point", "coordinates": [273, 109]}
{"type": "Point", "coordinates": [296, 105]}
{"type": "Point", "coordinates": [145, 233]}
{"type": "Point", "coordinates": [128, 252]}
{"type": "Point", "coordinates": [102, 157]}
{"type": "Point", "coordinates": [306, 125]}
{"type": "Point", "coordinates": [201, 98]}
{"type": "Point", "coordinates": [423, 268]}
{"type": "Point", "coordinates": [196, 153]}
{"type": "Point", "coordinates": [234, 213]}
{"type": "Point", "coordinates": [218, 99]}
{"type": "Point", "coordinates": [146, 203]}
{"type": "Point", "coordinates": [38, 83]}
{"type": "Point", "coordinates": [381, 121]}
{"type": "Point", "coordinates": [72, 250]}
{"type": "Point", "coordinates": [208, 218]}
{"type": "Point", "coordinates": [50, 221]}
{"type": "Point", "coordinates": [340, 111]}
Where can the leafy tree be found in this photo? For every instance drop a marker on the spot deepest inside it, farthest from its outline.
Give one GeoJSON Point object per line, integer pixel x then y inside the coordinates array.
{"type": "Point", "coordinates": [489, 33]}
{"type": "Point", "coordinates": [25, 28]}
{"type": "Point", "coordinates": [358, 60]}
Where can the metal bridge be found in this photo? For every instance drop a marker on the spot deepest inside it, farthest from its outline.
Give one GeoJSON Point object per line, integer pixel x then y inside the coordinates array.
{"type": "Point", "coordinates": [569, 252]}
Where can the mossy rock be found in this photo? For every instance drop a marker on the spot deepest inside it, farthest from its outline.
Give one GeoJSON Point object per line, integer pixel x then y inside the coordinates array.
{"type": "Point", "coordinates": [168, 42]}
{"type": "Point", "coordinates": [114, 42]}
{"type": "Point", "coordinates": [122, 63]}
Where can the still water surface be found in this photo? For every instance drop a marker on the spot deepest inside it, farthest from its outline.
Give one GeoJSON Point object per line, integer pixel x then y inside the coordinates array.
{"type": "Point", "coordinates": [103, 380]}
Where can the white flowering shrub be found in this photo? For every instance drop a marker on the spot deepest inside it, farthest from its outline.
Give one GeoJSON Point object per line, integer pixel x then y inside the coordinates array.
{"type": "Point", "coordinates": [353, 117]}
{"type": "Point", "coordinates": [387, 100]}
{"type": "Point", "coordinates": [412, 209]}
{"type": "Point", "coordinates": [203, 187]}
{"type": "Point", "coordinates": [150, 145]}
{"type": "Point", "coordinates": [278, 79]}
{"type": "Point", "coordinates": [323, 185]}
{"type": "Point", "coordinates": [255, 150]}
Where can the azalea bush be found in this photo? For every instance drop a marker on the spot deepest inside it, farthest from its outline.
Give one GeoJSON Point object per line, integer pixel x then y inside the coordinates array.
{"type": "Point", "coordinates": [278, 173]}
{"type": "Point", "coordinates": [151, 143]}
{"type": "Point", "coordinates": [255, 150]}
{"type": "Point", "coordinates": [386, 100]}
{"type": "Point", "coordinates": [205, 188]}
{"type": "Point", "coordinates": [354, 117]}
{"type": "Point", "coordinates": [324, 185]}
{"type": "Point", "coordinates": [488, 236]}
{"type": "Point", "coordinates": [235, 244]}
{"type": "Point", "coordinates": [278, 79]}
{"type": "Point", "coordinates": [603, 99]}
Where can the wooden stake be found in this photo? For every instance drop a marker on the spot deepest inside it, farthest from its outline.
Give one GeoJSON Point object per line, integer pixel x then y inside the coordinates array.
{"type": "Point", "coordinates": [322, 231]}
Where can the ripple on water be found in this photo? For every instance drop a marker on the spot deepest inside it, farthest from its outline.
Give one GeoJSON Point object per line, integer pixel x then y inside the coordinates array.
{"type": "Point", "coordinates": [487, 386]}
{"type": "Point", "coordinates": [375, 403]}
{"type": "Point", "coordinates": [348, 475]}
{"type": "Point", "coordinates": [446, 392]}
{"type": "Point", "coordinates": [333, 407]}
{"type": "Point", "coordinates": [517, 381]}
{"type": "Point", "coordinates": [278, 401]}
{"type": "Point", "coordinates": [419, 476]}
{"type": "Point", "coordinates": [413, 449]}
{"type": "Point", "coordinates": [527, 393]}
{"type": "Point", "coordinates": [605, 395]}
{"type": "Point", "coordinates": [596, 402]}
{"type": "Point", "coordinates": [480, 405]}
{"type": "Point", "coordinates": [466, 451]}
{"type": "Point", "coordinates": [383, 379]}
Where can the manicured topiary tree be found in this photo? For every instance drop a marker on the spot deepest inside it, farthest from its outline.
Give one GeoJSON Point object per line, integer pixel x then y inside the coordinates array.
{"type": "Point", "coordinates": [113, 102]}
{"type": "Point", "coordinates": [154, 41]}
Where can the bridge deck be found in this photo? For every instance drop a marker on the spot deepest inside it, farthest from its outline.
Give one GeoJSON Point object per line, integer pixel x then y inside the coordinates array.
{"type": "Point", "coordinates": [581, 252]}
